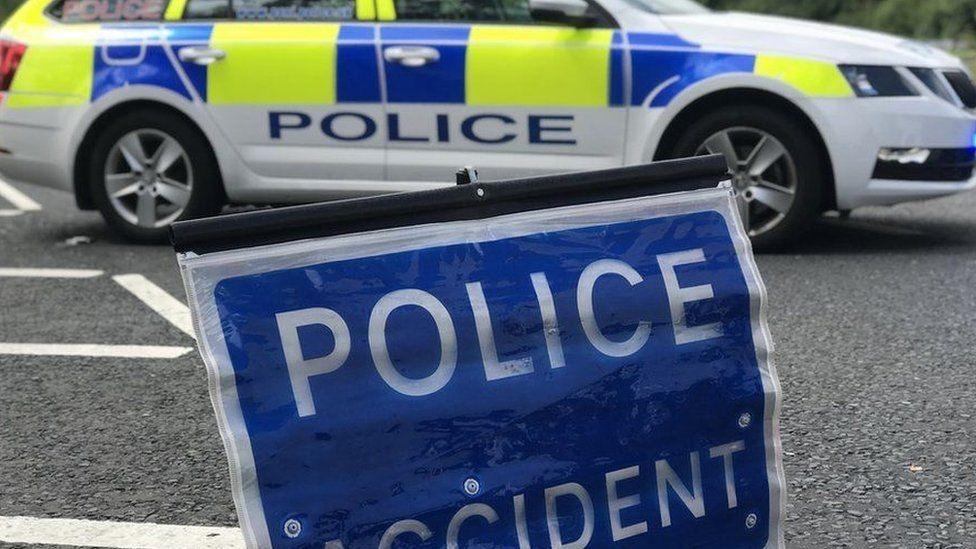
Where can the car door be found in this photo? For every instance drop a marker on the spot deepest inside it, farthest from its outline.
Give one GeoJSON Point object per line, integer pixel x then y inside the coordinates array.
{"type": "Point", "coordinates": [470, 82]}
{"type": "Point", "coordinates": [294, 85]}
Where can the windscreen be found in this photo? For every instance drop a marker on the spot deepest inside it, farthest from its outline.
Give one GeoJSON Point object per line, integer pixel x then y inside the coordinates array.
{"type": "Point", "coordinates": [670, 7]}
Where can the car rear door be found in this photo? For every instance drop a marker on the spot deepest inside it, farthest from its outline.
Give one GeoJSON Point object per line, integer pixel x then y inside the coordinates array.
{"type": "Point", "coordinates": [480, 83]}
{"type": "Point", "coordinates": [294, 86]}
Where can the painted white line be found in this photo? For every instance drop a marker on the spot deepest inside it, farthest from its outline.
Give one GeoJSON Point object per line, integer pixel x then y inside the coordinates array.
{"type": "Point", "coordinates": [83, 349]}
{"type": "Point", "coordinates": [48, 273]}
{"type": "Point", "coordinates": [20, 200]}
{"type": "Point", "coordinates": [156, 298]}
{"type": "Point", "coordinates": [10, 213]}
{"type": "Point", "coordinates": [117, 535]}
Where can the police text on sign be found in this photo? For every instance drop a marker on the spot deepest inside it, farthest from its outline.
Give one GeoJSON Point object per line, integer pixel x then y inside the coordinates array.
{"type": "Point", "coordinates": [300, 368]}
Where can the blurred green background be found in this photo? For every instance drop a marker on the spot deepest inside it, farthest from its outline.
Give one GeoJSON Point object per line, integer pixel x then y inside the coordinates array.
{"type": "Point", "coordinates": [950, 20]}
{"type": "Point", "coordinates": [7, 6]}
{"type": "Point", "coordinates": [950, 24]}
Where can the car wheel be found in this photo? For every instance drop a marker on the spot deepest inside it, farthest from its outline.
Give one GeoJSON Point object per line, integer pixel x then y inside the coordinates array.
{"type": "Point", "coordinates": [149, 169]}
{"type": "Point", "coordinates": [777, 169]}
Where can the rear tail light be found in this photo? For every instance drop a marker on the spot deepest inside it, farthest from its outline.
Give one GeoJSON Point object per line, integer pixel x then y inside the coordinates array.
{"type": "Point", "coordinates": [10, 55]}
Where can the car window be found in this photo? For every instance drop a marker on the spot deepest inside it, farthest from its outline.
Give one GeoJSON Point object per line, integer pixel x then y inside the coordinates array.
{"type": "Point", "coordinates": [272, 10]}
{"type": "Point", "coordinates": [82, 11]}
{"type": "Point", "coordinates": [515, 11]}
{"type": "Point", "coordinates": [207, 9]}
{"type": "Point", "coordinates": [670, 7]}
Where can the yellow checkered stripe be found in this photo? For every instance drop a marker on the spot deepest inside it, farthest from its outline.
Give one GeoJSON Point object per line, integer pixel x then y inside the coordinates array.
{"type": "Point", "coordinates": [295, 63]}
{"type": "Point", "coordinates": [538, 66]}
{"type": "Point", "coordinates": [56, 70]}
{"type": "Point", "coordinates": [812, 78]}
{"type": "Point", "coordinates": [273, 63]}
{"type": "Point", "coordinates": [174, 10]}
{"type": "Point", "coordinates": [529, 66]}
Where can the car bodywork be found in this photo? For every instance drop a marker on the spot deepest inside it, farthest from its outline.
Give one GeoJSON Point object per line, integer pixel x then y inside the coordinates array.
{"type": "Point", "coordinates": [290, 122]}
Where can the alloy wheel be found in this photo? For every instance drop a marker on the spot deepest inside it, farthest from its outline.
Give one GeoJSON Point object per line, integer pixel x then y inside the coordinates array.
{"type": "Point", "coordinates": [148, 178]}
{"type": "Point", "coordinates": [763, 175]}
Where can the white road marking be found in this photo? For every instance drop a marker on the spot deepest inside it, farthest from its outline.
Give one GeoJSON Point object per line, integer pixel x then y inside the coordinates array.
{"type": "Point", "coordinates": [48, 273]}
{"type": "Point", "coordinates": [84, 349]}
{"type": "Point", "coordinates": [10, 213]}
{"type": "Point", "coordinates": [117, 535]}
{"type": "Point", "coordinates": [168, 307]}
{"type": "Point", "coordinates": [19, 200]}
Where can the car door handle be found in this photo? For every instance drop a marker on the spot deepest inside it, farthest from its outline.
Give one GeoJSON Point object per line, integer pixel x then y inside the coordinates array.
{"type": "Point", "coordinates": [201, 55]}
{"type": "Point", "coordinates": [411, 56]}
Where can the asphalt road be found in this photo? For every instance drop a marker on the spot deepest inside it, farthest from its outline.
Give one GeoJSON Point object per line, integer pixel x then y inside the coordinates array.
{"type": "Point", "coordinates": [872, 317]}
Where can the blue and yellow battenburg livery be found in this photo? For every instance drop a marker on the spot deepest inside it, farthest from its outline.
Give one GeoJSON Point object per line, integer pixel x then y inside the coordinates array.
{"type": "Point", "coordinates": [282, 63]}
{"type": "Point", "coordinates": [301, 101]}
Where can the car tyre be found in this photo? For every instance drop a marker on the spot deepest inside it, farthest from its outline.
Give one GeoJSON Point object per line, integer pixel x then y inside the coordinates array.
{"type": "Point", "coordinates": [149, 169]}
{"type": "Point", "coordinates": [777, 165]}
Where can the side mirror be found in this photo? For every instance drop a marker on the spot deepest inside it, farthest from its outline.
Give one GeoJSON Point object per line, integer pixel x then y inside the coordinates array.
{"type": "Point", "coordinates": [566, 12]}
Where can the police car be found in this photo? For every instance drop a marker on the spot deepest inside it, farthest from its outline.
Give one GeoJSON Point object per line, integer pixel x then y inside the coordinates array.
{"type": "Point", "coordinates": [153, 111]}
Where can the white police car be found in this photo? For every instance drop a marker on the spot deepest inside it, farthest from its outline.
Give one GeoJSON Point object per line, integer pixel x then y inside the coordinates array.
{"type": "Point", "coordinates": [153, 111]}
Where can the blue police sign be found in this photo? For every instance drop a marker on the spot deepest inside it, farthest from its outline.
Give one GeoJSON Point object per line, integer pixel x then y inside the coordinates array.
{"type": "Point", "coordinates": [589, 375]}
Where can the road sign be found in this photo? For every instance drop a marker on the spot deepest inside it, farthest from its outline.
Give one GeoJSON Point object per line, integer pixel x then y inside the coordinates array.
{"type": "Point", "coordinates": [591, 373]}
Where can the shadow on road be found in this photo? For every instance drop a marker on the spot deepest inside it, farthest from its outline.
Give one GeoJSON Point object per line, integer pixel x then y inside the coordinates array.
{"type": "Point", "coordinates": [857, 235]}
{"type": "Point", "coordinates": [830, 235]}
{"type": "Point", "coordinates": [91, 225]}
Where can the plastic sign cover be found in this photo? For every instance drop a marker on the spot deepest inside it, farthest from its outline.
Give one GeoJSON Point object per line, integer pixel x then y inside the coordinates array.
{"type": "Point", "coordinates": [593, 375]}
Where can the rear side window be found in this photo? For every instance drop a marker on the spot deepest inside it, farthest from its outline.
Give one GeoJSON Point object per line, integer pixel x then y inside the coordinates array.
{"type": "Point", "coordinates": [272, 10]}
{"type": "Point", "coordinates": [515, 11]}
{"type": "Point", "coordinates": [87, 11]}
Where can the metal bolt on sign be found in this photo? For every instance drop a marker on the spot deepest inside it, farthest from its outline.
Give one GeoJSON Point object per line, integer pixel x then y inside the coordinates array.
{"type": "Point", "coordinates": [745, 419]}
{"type": "Point", "coordinates": [472, 486]}
{"type": "Point", "coordinates": [751, 521]}
{"type": "Point", "coordinates": [293, 528]}
{"type": "Point", "coordinates": [468, 175]}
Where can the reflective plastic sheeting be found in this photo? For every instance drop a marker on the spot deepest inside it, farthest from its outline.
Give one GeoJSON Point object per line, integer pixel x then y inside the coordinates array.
{"type": "Point", "coordinates": [593, 375]}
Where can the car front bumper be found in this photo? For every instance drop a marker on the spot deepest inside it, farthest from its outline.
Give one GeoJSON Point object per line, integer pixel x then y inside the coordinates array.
{"type": "Point", "coordinates": [860, 128]}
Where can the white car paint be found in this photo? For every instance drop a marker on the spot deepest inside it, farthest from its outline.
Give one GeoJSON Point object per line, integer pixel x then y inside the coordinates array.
{"type": "Point", "coordinates": [300, 169]}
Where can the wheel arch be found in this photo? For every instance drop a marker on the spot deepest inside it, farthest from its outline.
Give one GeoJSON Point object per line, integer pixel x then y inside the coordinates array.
{"type": "Point", "coordinates": [80, 175]}
{"type": "Point", "coordinates": [748, 96]}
